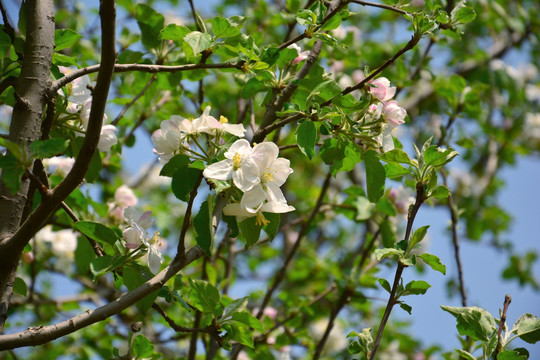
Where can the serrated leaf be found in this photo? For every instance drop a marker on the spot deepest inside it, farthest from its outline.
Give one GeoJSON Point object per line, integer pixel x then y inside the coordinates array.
{"type": "Point", "coordinates": [198, 41]}
{"type": "Point", "coordinates": [151, 23]}
{"type": "Point", "coordinates": [438, 157]}
{"type": "Point", "coordinates": [65, 38]}
{"type": "Point", "coordinates": [250, 232]}
{"type": "Point", "coordinates": [240, 334]}
{"type": "Point", "coordinates": [97, 231]}
{"type": "Point", "coordinates": [306, 137]}
{"type": "Point", "coordinates": [222, 28]}
{"type": "Point", "coordinates": [406, 307]}
{"type": "Point", "coordinates": [205, 297]}
{"type": "Point", "coordinates": [473, 321]}
{"type": "Point", "coordinates": [395, 170]}
{"type": "Point", "coordinates": [440, 192]}
{"type": "Point", "coordinates": [142, 347]}
{"type": "Point", "coordinates": [64, 60]}
{"type": "Point", "coordinates": [236, 306]}
{"type": "Point", "coordinates": [375, 176]}
{"type": "Point", "coordinates": [245, 318]}
{"type": "Point", "coordinates": [527, 327]}
{"type": "Point", "coordinates": [434, 262]}
{"type": "Point", "coordinates": [511, 355]}
{"type": "Point", "coordinates": [395, 156]}
{"type": "Point", "coordinates": [464, 15]}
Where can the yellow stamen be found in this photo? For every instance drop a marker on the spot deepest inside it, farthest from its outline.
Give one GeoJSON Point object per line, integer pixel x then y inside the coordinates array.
{"type": "Point", "coordinates": [237, 161]}
{"type": "Point", "coordinates": [268, 177]}
{"type": "Point", "coordinates": [261, 220]}
{"type": "Point", "coordinates": [223, 119]}
{"type": "Point", "coordinates": [155, 238]}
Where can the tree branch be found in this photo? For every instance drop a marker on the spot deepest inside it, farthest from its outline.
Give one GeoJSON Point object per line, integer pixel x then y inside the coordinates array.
{"type": "Point", "coordinates": [382, 6]}
{"type": "Point", "coordinates": [43, 334]}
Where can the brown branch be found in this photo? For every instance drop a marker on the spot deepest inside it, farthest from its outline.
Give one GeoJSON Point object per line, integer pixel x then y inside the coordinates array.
{"type": "Point", "coordinates": [399, 270]}
{"type": "Point", "coordinates": [43, 334]}
{"type": "Point", "coordinates": [7, 25]}
{"type": "Point", "coordinates": [153, 69]}
{"type": "Point", "coordinates": [382, 6]}
{"type": "Point", "coordinates": [507, 301]}
{"type": "Point", "coordinates": [177, 327]}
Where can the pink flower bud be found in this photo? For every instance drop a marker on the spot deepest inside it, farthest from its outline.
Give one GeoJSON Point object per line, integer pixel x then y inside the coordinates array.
{"type": "Point", "coordinates": [382, 89]}
{"type": "Point", "coordinates": [393, 113]}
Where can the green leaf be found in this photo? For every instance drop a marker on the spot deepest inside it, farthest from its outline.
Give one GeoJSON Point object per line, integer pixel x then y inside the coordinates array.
{"type": "Point", "coordinates": [434, 262]}
{"type": "Point", "coordinates": [13, 171]}
{"type": "Point", "coordinates": [101, 265]}
{"type": "Point", "coordinates": [245, 318]}
{"type": "Point", "coordinates": [198, 41]}
{"type": "Point", "coordinates": [183, 181]}
{"type": "Point", "coordinates": [325, 91]}
{"type": "Point", "coordinates": [97, 231]}
{"type": "Point", "coordinates": [271, 229]}
{"type": "Point", "coordinates": [250, 232]}
{"type": "Point", "coordinates": [95, 168]}
{"type": "Point", "coordinates": [135, 275]}
{"type": "Point", "coordinates": [240, 334]}
{"type": "Point", "coordinates": [306, 136]}
{"type": "Point", "coordinates": [418, 236]}
{"type": "Point", "coordinates": [205, 297]}
{"type": "Point", "coordinates": [464, 15]}
{"type": "Point", "coordinates": [438, 156]}
{"type": "Point", "coordinates": [363, 342]}
{"type": "Point", "coordinates": [64, 60]}
{"type": "Point", "coordinates": [473, 321]}
{"type": "Point", "coordinates": [385, 284]}
{"type": "Point", "coordinates": [440, 192]}
{"type": "Point", "coordinates": [142, 347]}
{"type": "Point", "coordinates": [395, 156]}
{"type": "Point", "coordinates": [174, 32]}
{"type": "Point", "coordinates": [395, 170]}
{"type": "Point", "coordinates": [222, 28]}
{"type": "Point", "coordinates": [465, 354]}
{"type": "Point", "coordinates": [406, 307]}
{"type": "Point", "coordinates": [375, 176]}
{"type": "Point", "coordinates": [387, 252]}
{"type": "Point", "coordinates": [175, 163]}
{"type": "Point", "coordinates": [84, 254]}
{"type": "Point", "coordinates": [511, 355]}
{"type": "Point", "coordinates": [19, 287]}
{"type": "Point", "coordinates": [416, 287]}
{"type": "Point", "coordinates": [341, 155]}
{"type": "Point", "coordinates": [151, 23]}
{"type": "Point", "coordinates": [236, 306]}
{"type": "Point", "coordinates": [65, 38]}
{"type": "Point", "coordinates": [43, 149]}
{"type": "Point", "coordinates": [364, 208]}
{"type": "Point", "coordinates": [203, 226]}
{"type": "Point", "coordinates": [527, 327]}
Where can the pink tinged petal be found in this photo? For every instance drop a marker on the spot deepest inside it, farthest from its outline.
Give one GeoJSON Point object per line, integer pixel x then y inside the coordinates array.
{"type": "Point", "coordinates": [220, 171]}
{"type": "Point", "coordinates": [302, 56]}
{"type": "Point", "coordinates": [133, 236]}
{"type": "Point", "coordinates": [393, 113]}
{"type": "Point", "coordinates": [277, 207]}
{"type": "Point", "coordinates": [132, 215]}
{"type": "Point", "coordinates": [145, 220]}
{"type": "Point", "coordinates": [246, 176]}
{"type": "Point", "coordinates": [253, 199]}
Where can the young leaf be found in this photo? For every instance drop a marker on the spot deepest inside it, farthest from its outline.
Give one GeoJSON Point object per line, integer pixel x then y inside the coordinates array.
{"type": "Point", "coordinates": [434, 262]}
{"type": "Point", "coordinates": [174, 32]}
{"type": "Point", "coordinates": [465, 354]}
{"type": "Point", "coordinates": [386, 252]}
{"type": "Point", "coordinates": [440, 192]}
{"type": "Point", "coordinates": [418, 236]}
{"type": "Point", "coordinates": [97, 231]}
{"type": "Point", "coordinates": [385, 284]}
{"type": "Point", "coordinates": [473, 321]}
{"type": "Point", "coordinates": [406, 307]}
{"type": "Point", "coordinates": [250, 232]}
{"type": "Point", "coordinates": [135, 275]}
{"type": "Point", "coordinates": [416, 287]}
{"type": "Point", "coordinates": [511, 355]}
{"type": "Point", "coordinates": [198, 41]}
{"type": "Point", "coordinates": [205, 297]}
{"type": "Point", "coordinates": [236, 306]}
{"type": "Point", "coordinates": [151, 23]}
{"type": "Point", "coordinates": [246, 318]}
{"type": "Point", "coordinates": [361, 343]}
{"type": "Point", "coordinates": [19, 287]}
{"type": "Point", "coordinates": [395, 156]}
{"type": "Point", "coordinates": [527, 327]}
{"type": "Point", "coordinates": [375, 176]}
{"type": "Point", "coordinates": [43, 149]}
{"type": "Point", "coordinates": [306, 136]}
{"type": "Point", "coordinates": [142, 347]}
{"type": "Point", "coordinates": [394, 170]}
{"type": "Point", "coordinates": [438, 156]}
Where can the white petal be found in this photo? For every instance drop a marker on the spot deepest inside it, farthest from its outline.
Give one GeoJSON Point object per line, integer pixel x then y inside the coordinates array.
{"type": "Point", "coordinates": [155, 259]}
{"type": "Point", "coordinates": [253, 199]}
{"type": "Point", "coordinates": [274, 193]}
{"type": "Point", "coordinates": [240, 146]}
{"type": "Point", "coordinates": [246, 176]}
{"type": "Point", "coordinates": [234, 129]}
{"type": "Point", "coordinates": [220, 171]}
{"type": "Point", "coordinates": [265, 153]}
{"type": "Point", "coordinates": [276, 207]}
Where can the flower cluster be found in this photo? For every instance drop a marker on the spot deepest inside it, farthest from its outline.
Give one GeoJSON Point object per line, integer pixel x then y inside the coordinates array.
{"type": "Point", "coordinates": [259, 173]}
{"type": "Point", "coordinates": [123, 198]}
{"type": "Point", "coordinates": [174, 134]}
{"type": "Point", "coordinates": [389, 109]}
{"type": "Point", "coordinates": [136, 236]}
{"type": "Point", "coordinates": [80, 99]}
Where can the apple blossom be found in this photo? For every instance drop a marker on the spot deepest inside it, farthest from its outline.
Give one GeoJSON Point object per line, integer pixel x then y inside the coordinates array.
{"type": "Point", "coordinates": [60, 165]}
{"type": "Point", "coordinates": [393, 113]}
{"type": "Point", "coordinates": [302, 55]}
{"type": "Point", "coordinates": [123, 198]}
{"type": "Point", "coordinates": [167, 140]}
{"type": "Point", "coordinates": [273, 172]}
{"type": "Point", "coordinates": [381, 89]}
{"type": "Point", "coordinates": [237, 210]}
{"type": "Point", "coordinates": [238, 165]}
{"type": "Point", "coordinates": [63, 242]}
{"type": "Point", "coordinates": [208, 124]}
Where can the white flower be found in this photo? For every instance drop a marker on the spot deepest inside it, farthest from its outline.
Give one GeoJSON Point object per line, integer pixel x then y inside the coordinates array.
{"type": "Point", "coordinates": [63, 242]}
{"type": "Point", "coordinates": [60, 165]}
{"type": "Point", "coordinates": [403, 198]}
{"type": "Point", "coordinates": [107, 138]}
{"type": "Point", "coordinates": [238, 165]}
{"type": "Point", "coordinates": [393, 113]}
{"type": "Point", "coordinates": [208, 124]}
{"type": "Point", "coordinates": [124, 197]}
{"type": "Point", "coordinates": [136, 235]}
{"type": "Point", "coordinates": [302, 55]}
{"type": "Point", "coordinates": [167, 140]}
{"type": "Point", "coordinates": [235, 209]}
{"type": "Point", "coordinates": [385, 137]}
{"type": "Point", "coordinates": [80, 90]}
{"type": "Point", "coordinates": [273, 172]}
{"type": "Point", "coordinates": [382, 89]}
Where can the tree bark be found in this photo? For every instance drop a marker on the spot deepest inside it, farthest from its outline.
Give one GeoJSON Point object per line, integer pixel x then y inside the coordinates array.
{"type": "Point", "coordinates": [31, 92]}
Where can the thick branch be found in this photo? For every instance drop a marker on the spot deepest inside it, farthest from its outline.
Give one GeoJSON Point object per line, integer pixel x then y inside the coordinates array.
{"type": "Point", "coordinates": [43, 334]}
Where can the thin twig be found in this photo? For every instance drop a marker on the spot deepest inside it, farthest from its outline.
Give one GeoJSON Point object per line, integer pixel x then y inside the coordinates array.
{"type": "Point", "coordinates": [174, 325]}
{"type": "Point", "coordinates": [135, 99]}
{"type": "Point", "coordinates": [382, 6]}
{"type": "Point", "coordinates": [507, 301]}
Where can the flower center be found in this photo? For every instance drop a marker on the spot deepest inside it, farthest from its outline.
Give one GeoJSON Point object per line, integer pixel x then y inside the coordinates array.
{"type": "Point", "coordinates": [156, 239]}
{"type": "Point", "coordinates": [223, 119]}
{"type": "Point", "coordinates": [237, 161]}
{"type": "Point", "coordinates": [260, 220]}
{"type": "Point", "coordinates": [268, 176]}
